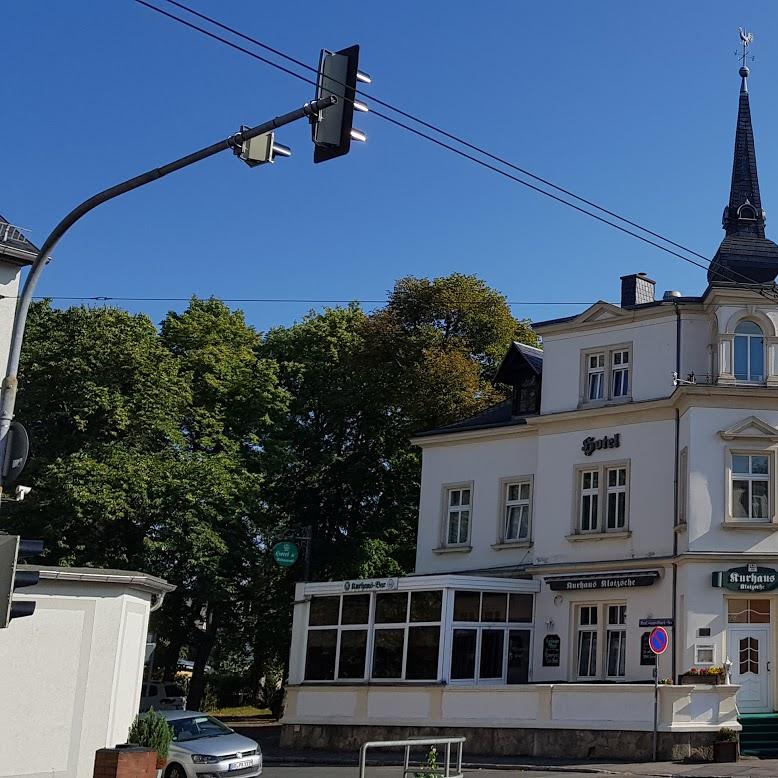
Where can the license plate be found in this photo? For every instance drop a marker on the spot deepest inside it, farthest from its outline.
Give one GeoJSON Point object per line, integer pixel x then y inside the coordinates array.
{"type": "Point", "coordinates": [241, 765]}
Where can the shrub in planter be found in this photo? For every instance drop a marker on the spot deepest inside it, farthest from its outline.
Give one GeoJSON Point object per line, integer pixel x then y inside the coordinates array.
{"type": "Point", "coordinates": [725, 746]}
{"type": "Point", "coordinates": [151, 730]}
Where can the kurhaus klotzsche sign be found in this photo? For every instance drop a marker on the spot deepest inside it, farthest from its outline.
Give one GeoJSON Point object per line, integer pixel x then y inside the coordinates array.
{"type": "Point", "coordinates": [590, 444]}
{"type": "Point", "coordinates": [750, 578]}
{"type": "Point", "coordinates": [573, 583]}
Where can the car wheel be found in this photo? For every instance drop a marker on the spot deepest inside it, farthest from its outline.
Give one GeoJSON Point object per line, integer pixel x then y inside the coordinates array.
{"type": "Point", "coordinates": [175, 771]}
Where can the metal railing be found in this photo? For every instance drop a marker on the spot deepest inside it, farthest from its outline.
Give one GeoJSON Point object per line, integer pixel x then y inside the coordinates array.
{"type": "Point", "coordinates": [443, 770]}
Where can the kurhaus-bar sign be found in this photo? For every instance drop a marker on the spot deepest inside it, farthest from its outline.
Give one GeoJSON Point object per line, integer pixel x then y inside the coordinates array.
{"type": "Point", "coordinates": [572, 583]}
{"type": "Point", "coordinates": [747, 579]}
{"type": "Point", "coordinates": [590, 445]}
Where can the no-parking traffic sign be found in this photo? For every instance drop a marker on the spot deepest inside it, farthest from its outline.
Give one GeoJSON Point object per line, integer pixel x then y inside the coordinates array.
{"type": "Point", "coordinates": [658, 640]}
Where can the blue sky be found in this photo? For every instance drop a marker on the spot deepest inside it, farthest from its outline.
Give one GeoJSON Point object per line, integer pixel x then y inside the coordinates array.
{"type": "Point", "coordinates": [632, 105]}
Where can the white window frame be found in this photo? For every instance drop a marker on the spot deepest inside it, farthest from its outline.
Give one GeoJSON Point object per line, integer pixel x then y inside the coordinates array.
{"type": "Point", "coordinates": [698, 647]}
{"type": "Point", "coordinates": [601, 491]}
{"type": "Point", "coordinates": [747, 337]}
{"type": "Point", "coordinates": [731, 476]}
{"type": "Point", "coordinates": [608, 370]}
{"type": "Point", "coordinates": [505, 503]}
{"type": "Point", "coordinates": [592, 495]}
{"type": "Point", "coordinates": [615, 489]}
{"type": "Point", "coordinates": [611, 628]}
{"type": "Point", "coordinates": [446, 509]}
{"type": "Point", "coordinates": [601, 631]}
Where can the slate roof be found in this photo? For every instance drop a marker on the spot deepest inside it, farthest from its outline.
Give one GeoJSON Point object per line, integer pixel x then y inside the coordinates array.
{"type": "Point", "coordinates": [14, 245]}
{"type": "Point", "coordinates": [496, 416]}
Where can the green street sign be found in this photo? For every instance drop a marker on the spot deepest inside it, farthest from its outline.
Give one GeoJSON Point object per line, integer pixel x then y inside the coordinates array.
{"type": "Point", "coordinates": [285, 553]}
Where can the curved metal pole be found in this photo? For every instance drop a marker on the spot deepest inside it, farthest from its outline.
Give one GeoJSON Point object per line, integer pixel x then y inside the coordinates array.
{"type": "Point", "coordinates": [10, 382]}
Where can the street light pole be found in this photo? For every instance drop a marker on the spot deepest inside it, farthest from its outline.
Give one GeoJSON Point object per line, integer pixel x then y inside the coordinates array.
{"type": "Point", "coordinates": [235, 141]}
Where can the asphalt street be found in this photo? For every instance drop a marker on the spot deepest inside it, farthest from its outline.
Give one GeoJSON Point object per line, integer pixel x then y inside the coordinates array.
{"type": "Point", "coordinates": [309, 771]}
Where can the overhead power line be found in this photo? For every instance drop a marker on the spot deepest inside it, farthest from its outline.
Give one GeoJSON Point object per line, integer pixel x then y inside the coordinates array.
{"type": "Point", "coordinates": [732, 274]}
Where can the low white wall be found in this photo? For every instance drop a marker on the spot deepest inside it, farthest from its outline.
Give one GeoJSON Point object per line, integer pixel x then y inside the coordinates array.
{"type": "Point", "coordinates": [71, 673]}
{"type": "Point", "coordinates": [537, 706]}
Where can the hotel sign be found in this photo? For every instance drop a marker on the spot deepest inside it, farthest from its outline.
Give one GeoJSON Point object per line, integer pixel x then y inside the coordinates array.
{"type": "Point", "coordinates": [574, 583]}
{"type": "Point", "coordinates": [590, 445]}
{"type": "Point", "coordinates": [750, 578]}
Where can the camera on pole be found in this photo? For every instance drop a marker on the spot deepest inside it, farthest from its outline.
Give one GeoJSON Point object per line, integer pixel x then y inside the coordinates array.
{"type": "Point", "coordinates": [333, 129]}
{"type": "Point", "coordinates": [14, 549]}
{"type": "Point", "coordinates": [261, 149]}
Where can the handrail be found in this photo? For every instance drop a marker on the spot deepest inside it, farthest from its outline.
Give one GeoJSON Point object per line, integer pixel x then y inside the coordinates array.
{"type": "Point", "coordinates": [444, 771]}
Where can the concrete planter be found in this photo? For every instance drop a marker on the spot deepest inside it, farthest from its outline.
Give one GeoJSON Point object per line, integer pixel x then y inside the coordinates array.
{"type": "Point", "coordinates": [725, 751]}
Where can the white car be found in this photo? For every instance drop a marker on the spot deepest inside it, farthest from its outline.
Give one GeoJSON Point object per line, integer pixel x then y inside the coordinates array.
{"type": "Point", "coordinates": [203, 746]}
{"type": "Point", "coordinates": [161, 695]}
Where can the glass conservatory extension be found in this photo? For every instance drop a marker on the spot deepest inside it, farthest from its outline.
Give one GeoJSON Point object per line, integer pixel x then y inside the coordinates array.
{"type": "Point", "coordinates": [427, 629]}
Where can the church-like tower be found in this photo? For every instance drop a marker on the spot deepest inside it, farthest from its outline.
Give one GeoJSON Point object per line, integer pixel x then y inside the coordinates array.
{"type": "Point", "coordinates": [745, 256]}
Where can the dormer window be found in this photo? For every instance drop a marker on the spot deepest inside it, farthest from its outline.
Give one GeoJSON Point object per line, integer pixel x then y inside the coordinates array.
{"type": "Point", "coordinates": [746, 212]}
{"type": "Point", "coordinates": [749, 352]}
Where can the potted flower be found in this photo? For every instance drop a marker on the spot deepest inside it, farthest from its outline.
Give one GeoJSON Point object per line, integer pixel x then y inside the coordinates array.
{"type": "Point", "coordinates": [710, 675]}
{"type": "Point", "coordinates": [151, 730]}
{"type": "Point", "coordinates": [725, 746]}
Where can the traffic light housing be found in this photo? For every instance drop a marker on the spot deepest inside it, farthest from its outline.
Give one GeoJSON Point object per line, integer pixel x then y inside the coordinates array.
{"type": "Point", "coordinates": [333, 130]}
{"type": "Point", "coordinates": [12, 550]}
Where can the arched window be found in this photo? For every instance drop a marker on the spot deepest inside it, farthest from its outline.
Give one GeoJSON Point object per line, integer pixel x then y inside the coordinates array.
{"type": "Point", "coordinates": [746, 212]}
{"type": "Point", "coordinates": [749, 352]}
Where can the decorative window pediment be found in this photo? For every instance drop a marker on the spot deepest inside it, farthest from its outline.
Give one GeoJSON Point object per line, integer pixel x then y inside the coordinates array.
{"type": "Point", "coordinates": [751, 428]}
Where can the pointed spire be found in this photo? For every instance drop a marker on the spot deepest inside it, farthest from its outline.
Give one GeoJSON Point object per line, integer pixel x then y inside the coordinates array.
{"type": "Point", "coordinates": [744, 212]}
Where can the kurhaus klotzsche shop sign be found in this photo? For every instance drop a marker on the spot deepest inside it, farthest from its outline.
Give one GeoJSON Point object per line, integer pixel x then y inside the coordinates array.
{"type": "Point", "coordinates": [572, 583]}
{"type": "Point", "coordinates": [750, 578]}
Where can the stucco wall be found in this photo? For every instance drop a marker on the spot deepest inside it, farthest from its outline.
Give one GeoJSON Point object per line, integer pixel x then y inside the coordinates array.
{"type": "Point", "coordinates": [71, 677]}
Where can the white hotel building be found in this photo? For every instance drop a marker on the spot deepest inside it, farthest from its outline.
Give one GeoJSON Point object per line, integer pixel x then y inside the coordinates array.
{"type": "Point", "coordinates": [603, 493]}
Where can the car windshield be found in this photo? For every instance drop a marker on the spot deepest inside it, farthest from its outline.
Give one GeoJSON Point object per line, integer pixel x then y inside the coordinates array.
{"type": "Point", "coordinates": [196, 727]}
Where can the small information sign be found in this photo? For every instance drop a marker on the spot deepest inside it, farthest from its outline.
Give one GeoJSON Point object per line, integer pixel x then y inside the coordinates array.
{"type": "Point", "coordinates": [285, 553]}
{"type": "Point", "coordinates": [656, 622]}
{"type": "Point", "coordinates": [551, 650]}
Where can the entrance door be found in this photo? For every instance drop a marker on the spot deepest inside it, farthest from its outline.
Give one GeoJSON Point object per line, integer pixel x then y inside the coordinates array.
{"type": "Point", "coordinates": [748, 649]}
{"type": "Point", "coordinates": [518, 656]}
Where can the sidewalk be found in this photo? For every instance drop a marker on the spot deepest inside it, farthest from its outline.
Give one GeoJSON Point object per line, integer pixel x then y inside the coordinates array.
{"type": "Point", "coordinates": [266, 733]}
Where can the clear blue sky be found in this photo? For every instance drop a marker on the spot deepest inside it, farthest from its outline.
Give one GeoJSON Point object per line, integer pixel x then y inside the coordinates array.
{"type": "Point", "coordinates": [630, 104]}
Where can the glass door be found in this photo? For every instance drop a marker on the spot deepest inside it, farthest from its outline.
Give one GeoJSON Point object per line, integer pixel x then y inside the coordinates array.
{"type": "Point", "coordinates": [518, 655]}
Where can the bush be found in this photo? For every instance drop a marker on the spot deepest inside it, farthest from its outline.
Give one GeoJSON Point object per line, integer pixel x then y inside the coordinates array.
{"type": "Point", "coordinates": [151, 730]}
{"type": "Point", "coordinates": [271, 693]}
{"type": "Point", "coordinates": [726, 735]}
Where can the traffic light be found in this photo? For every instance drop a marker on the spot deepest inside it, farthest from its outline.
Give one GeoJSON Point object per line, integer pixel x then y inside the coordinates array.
{"type": "Point", "coordinates": [12, 549]}
{"type": "Point", "coordinates": [338, 75]}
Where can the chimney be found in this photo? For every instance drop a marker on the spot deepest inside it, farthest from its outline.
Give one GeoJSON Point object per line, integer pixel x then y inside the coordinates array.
{"type": "Point", "coordinates": [636, 289]}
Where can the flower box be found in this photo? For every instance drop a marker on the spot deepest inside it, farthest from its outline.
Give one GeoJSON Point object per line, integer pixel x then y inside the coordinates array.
{"type": "Point", "coordinates": [697, 678]}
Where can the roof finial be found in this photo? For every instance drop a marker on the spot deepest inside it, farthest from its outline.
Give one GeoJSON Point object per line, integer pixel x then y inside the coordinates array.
{"type": "Point", "coordinates": [745, 39]}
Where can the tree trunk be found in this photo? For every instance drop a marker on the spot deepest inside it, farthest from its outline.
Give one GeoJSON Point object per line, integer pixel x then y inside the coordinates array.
{"type": "Point", "coordinates": [205, 645]}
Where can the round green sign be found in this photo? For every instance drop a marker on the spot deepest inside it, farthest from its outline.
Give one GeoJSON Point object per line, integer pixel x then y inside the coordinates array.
{"type": "Point", "coordinates": [285, 553]}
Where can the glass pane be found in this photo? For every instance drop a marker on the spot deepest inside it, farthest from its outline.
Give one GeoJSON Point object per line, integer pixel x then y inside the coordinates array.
{"type": "Point", "coordinates": [759, 611]}
{"type": "Point", "coordinates": [612, 477]}
{"type": "Point", "coordinates": [463, 654]}
{"type": "Point", "coordinates": [425, 606]}
{"type": "Point", "coordinates": [737, 611]}
{"type": "Point", "coordinates": [422, 662]}
{"type": "Point", "coordinates": [759, 465]}
{"type": "Point", "coordinates": [320, 655]}
{"type": "Point", "coordinates": [513, 492]}
{"type": "Point", "coordinates": [520, 608]}
{"type": "Point", "coordinates": [353, 647]}
{"type": "Point", "coordinates": [740, 499]}
{"type": "Point", "coordinates": [757, 359]}
{"type": "Point", "coordinates": [741, 358]}
{"type": "Point", "coordinates": [465, 497]}
{"type": "Point", "coordinates": [759, 499]}
{"type": "Point", "coordinates": [464, 523]}
{"type": "Point", "coordinates": [587, 480]}
{"type": "Point", "coordinates": [391, 607]}
{"type": "Point", "coordinates": [495, 607]}
{"type": "Point", "coordinates": [324, 611]}
{"type": "Point", "coordinates": [388, 653]}
{"type": "Point", "coordinates": [453, 499]}
{"type": "Point", "coordinates": [453, 526]}
{"type": "Point", "coordinates": [356, 609]}
{"type": "Point", "coordinates": [748, 328]}
{"type": "Point", "coordinates": [705, 654]}
{"type": "Point", "coordinates": [466, 606]}
{"type": "Point", "coordinates": [492, 641]}
{"type": "Point", "coordinates": [740, 464]}
{"type": "Point", "coordinates": [587, 654]}
{"type": "Point", "coordinates": [524, 493]}
{"type": "Point", "coordinates": [616, 643]}
{"type": "Point", "coordinates": [518, 656]}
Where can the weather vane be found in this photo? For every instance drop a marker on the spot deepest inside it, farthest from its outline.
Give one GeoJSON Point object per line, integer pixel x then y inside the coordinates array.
{"type": "Point", "coordinates": [745, 40]}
